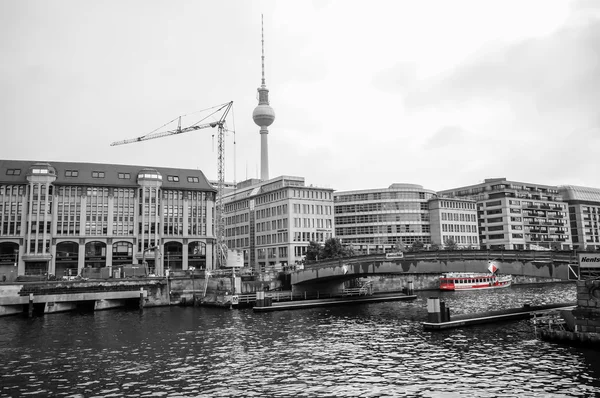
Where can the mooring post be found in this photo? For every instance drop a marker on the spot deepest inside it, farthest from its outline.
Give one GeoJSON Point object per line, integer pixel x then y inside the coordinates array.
{"type": "Point", "coordinates": [260, 298]}
{"type": "Point", "coordinates": [141, 298]}
{"type": "Point", "coordinates": [442, 311]}
{"type": "Point", "coordinates": [433, 310]}
{"type": "Point", "coordinates": [30, 307]}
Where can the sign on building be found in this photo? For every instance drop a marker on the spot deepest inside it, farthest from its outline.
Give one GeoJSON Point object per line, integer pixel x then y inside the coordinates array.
{"type": "Point", "coordinates": [589, 260]}
{"type": "Point", "coordinates": [235, 258]}
{"type": "Point", "coordinates": [589, 265]}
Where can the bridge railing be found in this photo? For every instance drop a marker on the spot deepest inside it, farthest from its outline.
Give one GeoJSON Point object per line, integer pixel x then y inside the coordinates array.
{"type": "Point", "coordinates": [457, 255]}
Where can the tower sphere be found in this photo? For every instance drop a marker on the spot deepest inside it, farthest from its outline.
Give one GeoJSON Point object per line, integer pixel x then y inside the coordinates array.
{"type": "Point", "coordinates": [263, 115]}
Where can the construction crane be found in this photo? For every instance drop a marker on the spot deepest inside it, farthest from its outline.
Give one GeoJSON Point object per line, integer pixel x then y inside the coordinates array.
{"type": "Point", "coordinates": [220, 124]}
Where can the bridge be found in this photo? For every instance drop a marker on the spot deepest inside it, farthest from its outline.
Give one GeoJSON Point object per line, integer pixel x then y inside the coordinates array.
{"type": "Point", "coordinates": [424, 268]}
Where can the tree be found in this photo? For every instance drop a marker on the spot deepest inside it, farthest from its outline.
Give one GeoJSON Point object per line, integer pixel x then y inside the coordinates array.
{"type": "Point", "coordinates": [400, 247]}
{"type": "Point", "coordinates": [450, 244]}
{"type": "Point", "coordinates": [417, 246]}
{"type": "Point", "coordinates": [333, 249]}
{"type": "Point", "coordinates": [434, 247]}
{"type": "Point", "coordinates": [314, 251]}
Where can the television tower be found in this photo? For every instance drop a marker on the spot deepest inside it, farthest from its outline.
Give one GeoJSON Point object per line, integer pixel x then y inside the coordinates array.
{"type": "Point", "coordinates": [263, 115]}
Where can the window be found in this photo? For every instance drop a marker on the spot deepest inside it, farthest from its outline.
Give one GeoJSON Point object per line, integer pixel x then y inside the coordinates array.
{"type": "Point", "coordinates": [97, 174]}
{"type": "Point", "coordinates": [174, 178]}
{"type": "Point", "coordinates": [13, 172]}
{"type": "Point", "coordinates": [193, 179]}
{"type": "Point", "coordinates": [122, 176]}
{"type": "Point", "coordinates": [71, 173]}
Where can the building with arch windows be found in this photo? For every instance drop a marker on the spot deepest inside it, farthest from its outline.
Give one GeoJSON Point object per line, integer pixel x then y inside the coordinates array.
{"type": "Point", "coordinates": [60, 217]}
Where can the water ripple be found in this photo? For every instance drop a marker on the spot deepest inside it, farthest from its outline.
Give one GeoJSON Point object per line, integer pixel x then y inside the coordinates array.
{"type": "Point", "coordinates": [372, 350]}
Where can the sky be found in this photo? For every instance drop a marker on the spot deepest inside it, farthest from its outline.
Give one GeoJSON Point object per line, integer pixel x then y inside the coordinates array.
{"type": "Point", "coordinates": [366, 94]}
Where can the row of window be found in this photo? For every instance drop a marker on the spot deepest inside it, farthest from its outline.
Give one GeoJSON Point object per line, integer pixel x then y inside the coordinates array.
{"type": "Point", "coordinates": [358, 197]}
{"type": "Point", "coordinates": [459, 217]}
{"type": "Point", "coordinates": [379, 218]}
{"type": "Point", "coordinates": [457, 205]}
{"type": "Point", "coordinates": [459, 228]}
{"type": "Point", "coordinates": [381, 206]}
{"type": "Point", "coordinates": [272, 211]}
{"type": "Point", "coordinates": [461, 239]}
{"type": "Point", "coordinates": [313, 223]}
{"type": "Point", "coordinates": [382, 230]}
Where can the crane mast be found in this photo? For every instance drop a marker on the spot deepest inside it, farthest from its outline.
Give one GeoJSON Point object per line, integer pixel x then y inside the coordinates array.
{"type": "Point", "coordinates": [221, 254]}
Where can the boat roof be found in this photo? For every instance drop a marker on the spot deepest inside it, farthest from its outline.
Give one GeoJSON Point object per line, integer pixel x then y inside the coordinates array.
{"type": "Point", "coordinates": [465, 275]}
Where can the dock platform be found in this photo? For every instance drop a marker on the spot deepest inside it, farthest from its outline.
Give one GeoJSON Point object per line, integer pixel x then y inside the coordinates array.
{"type": "Point", "coordinates": [301, 304]}
{"type": "Point", "coordinates": [509, 314]}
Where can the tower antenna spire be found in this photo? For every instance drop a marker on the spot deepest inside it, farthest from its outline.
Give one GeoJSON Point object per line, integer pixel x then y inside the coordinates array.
{"type": "Point", "coordinates": [263, 114]}
{"type": "Point", "coordinates": [262, 36]}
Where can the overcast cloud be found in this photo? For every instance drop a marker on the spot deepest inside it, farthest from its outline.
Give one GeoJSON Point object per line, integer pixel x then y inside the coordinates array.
{"type": "Point", "coordinates": [437, 93]}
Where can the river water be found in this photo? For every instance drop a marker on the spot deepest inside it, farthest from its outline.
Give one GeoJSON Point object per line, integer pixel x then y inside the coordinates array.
{"type": "Point", "coordinates": [364, 350]}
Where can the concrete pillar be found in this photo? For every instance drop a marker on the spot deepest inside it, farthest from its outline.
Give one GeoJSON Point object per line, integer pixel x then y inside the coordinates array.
{"type": "Point", "coordinates": [52, 262]}
{"type": "Point", "coordinates": [109, 252]}
{"type": "Point", "coordinates": [411, 288]}
{"type": "Point", "coordinates": [81, 256]}
{"type": "Point", "coordinates": [433, 310]}
{"type": "Point", "coordinates": [184, 256]}
{"type": "Point", "coordinates": [59, 307]}
{"type": "Point", "coordinates": [21, 263]}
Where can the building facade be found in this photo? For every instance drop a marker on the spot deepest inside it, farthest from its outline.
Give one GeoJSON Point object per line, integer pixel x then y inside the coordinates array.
{"type": "Point", "coordinates": [61, 217]}
{"type": "Point", "coordinates": [272, 222]}
{"type": "Point", "coordinates": [377, 220]}
{"type": "Point", "coordinates": [516, 215]}
{"type": "Point", "coordinates": [454, 219]}
{"type": "Point", "coordinates": [584, 214]}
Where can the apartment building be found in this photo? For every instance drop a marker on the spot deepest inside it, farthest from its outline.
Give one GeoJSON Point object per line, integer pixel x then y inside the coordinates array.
{"type": "Point", "coordinates": [517, 215]}
{"type": "Point", "coordinates": [584, 213]}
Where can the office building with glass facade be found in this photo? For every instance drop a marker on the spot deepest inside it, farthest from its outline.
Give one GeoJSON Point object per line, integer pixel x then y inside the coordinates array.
{"type": "Point", "coordinates": [377, 220]}
{"type": "Point", "coordinates": [59, 217]}
{"type": "Point", "coordinates": [273, 221]}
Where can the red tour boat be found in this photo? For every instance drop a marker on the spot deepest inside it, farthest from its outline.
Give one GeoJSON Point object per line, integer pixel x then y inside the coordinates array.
{"type": "Point", "coordinates": [474, 281]}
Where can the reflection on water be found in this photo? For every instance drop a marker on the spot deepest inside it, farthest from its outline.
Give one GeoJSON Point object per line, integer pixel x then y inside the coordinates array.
{"type": "Point", "coordinates": [367, 350]}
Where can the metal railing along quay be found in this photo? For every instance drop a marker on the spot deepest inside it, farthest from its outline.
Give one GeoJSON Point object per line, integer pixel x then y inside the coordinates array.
{"type": "Point", "coordinates": [277, 296]}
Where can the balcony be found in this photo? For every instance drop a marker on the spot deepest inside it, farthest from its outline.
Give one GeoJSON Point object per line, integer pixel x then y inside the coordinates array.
{"type": "Point", "coordinates": [544, 206]}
